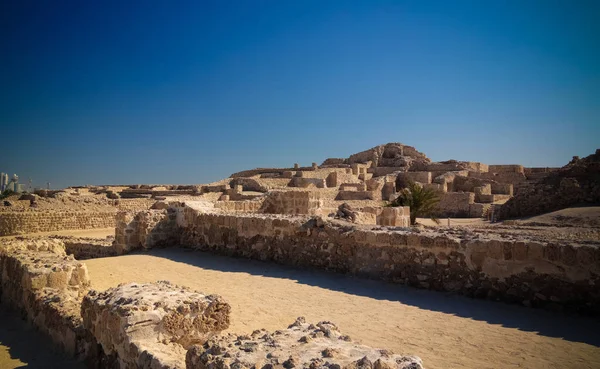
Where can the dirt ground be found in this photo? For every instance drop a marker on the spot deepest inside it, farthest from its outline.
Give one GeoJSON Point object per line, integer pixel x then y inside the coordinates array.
{"type": "Point", "coordinates": [23, 347]}
{"type": "Point", "coordinates": [445, 331]}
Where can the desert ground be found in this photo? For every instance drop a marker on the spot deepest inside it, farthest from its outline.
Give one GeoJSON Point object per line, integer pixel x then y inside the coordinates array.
{"type": "Point", "coordinates": [21, 346]}
{"type": "Point", "coordinates": [445, 331]}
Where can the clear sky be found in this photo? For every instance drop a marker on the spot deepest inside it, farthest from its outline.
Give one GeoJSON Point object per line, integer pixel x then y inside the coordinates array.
{"type": "Point", "coordinates": [97, 92]}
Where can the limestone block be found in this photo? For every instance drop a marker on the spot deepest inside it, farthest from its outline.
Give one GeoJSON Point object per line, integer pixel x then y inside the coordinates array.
{"type": "Point", "coordinates": [394, 217]}
{"type": "Point", "coordinates": [152, 325]}
{"type": "Point", "coordinates": [301, 345]}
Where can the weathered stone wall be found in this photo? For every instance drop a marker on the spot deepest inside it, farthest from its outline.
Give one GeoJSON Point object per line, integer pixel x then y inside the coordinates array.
{"type": "Point", "coordinates": [532, 273]}
{"type": "Point", "coordinates": [89, 248]}
{"type": "Point", "coordinates": [14, 223]}
{"type": "Point", "coordinates": [510, 168]}
{"type": "Point", "coordinates": [356, 195]}
{"type": "Point", "coordinates": [304, 182]}
{"type": "Point", "coordinates": [301, 345]}
{"type": "Point", "coordinates": [152, 325]}
{"type": "Point", "coordinates": [39, 280]}
{"type": "Point", "coordinates": [134, 204]}
{"type": "Point", "coordinates": [421, 177]}
{"type": "Point", "coordinates": [145, 229]}
{"type": "Point", "coordinates": [455, 204]}
{"type": "Point", "coordinates": [292, 202]}
{"type": "Point", "coordinates": [502, 188]}
{"type": "Point", "coordinates": [247, 206]}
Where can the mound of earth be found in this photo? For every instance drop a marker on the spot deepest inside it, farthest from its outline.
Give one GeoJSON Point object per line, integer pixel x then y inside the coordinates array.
{"type": "Point", "coordinates": [577, 183]}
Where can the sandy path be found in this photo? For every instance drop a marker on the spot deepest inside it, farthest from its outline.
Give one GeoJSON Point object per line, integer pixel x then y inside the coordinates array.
{"type": "Point", "coordinates": [445, 331]}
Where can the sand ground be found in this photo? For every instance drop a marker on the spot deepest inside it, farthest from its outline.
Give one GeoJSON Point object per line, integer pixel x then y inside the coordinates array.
{"type": "Point", "coordinates": [445, 331]}
{"type": "Point", "coordinates": [23, 347]}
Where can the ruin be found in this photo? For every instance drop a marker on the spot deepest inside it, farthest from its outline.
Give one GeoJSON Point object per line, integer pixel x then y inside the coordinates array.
{"type": "Point", "coordinates": [334, 217]}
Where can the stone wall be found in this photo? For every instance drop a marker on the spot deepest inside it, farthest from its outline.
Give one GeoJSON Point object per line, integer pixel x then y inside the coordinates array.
{"type": "Point", "coordinates": [152, 325]}
{"type": "Point", "coordinates": [45, 285]}
{"type": "Point", "coordinates": [14, 223]}
{"type": "Point", "coordinates": [248, 206]}
{"type": "Point", "coordinates": [356, 195]}
{"type": "Point", "coordinates": [145, 229]}
{"type": "Point", "coordinates": [134, 204]}
{"type": "Point", "coordinates": [292, 202]}
{"type": "Point", "coordinates": [511, 168]}
{"type": "Point", "coordinates": [455, 204]}
{"type": "Point", "coordinates": [532, 273]}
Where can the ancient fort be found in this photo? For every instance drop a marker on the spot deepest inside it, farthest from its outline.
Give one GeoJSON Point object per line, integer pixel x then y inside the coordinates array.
{"type": "Point", "coordinates": [320, 244]}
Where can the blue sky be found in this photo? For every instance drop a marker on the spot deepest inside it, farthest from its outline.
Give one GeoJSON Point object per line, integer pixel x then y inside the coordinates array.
{"type": "Point", "coordinates": [96, 92]}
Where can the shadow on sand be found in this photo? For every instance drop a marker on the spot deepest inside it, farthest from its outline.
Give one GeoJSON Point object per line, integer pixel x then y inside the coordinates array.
{"type": "Point", "coordinates": [551, 324]}
{"type": "Point", "coordinates": [29, 346]}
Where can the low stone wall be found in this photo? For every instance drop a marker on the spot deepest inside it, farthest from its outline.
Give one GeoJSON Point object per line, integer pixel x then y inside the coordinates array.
{"type": "Point", "coordinates": [292, 202]}
{"type": "Point", "coordinates": [510, 168]}
{"type": "Point", "coordinates": [532, 273]}
{"type": "Point", "coordinates": [145, 229]}
{"type": "Point", "coordinates": [134, 204]}
{"type": "Point", "coordinates": [15, 223]}
{"type": "Point", "coordinates": [355, 195]}
{"type": "Point", "coordinates": [38, 279]}
{"type": "Point", "coordinates": [83, 248]}
{"type": "Point", "coordinates": [152, 325]}
{"type": "Point", "coordinates": [248, 206]}
{"type": "Point", "coordinates": [455, 204]}
{"type": "Point", "coordinates": [301, 345]}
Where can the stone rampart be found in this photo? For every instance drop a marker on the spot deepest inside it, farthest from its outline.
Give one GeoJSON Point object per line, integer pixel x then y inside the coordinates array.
{"type": "Point", "coordinates": [532, 273]}
{"type": "Point", "coordinates": [15, 223]}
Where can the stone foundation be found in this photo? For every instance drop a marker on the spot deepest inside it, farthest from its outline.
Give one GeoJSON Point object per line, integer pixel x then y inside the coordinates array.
{"type": "Point", "coordinates": [301, 345]}
{"type": "Point", "coordinates": [15, 223]}
{"type": "Point", "coordinates": [534, 273]}
{"type": "Point", "coordinates": [152, 325]}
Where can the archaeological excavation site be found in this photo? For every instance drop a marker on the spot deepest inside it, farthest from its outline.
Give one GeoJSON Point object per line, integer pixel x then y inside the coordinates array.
{"type": "Point", "coordinates": [318, 266]}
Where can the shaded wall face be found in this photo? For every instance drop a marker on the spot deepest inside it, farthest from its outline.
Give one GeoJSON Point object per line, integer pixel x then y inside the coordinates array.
{"type": "Point", "coordinates": [533, 273]}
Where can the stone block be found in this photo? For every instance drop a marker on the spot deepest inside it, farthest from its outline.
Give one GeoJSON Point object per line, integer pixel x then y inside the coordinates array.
{"type": "Point", "coordinates": [152, 325]}
{"type": "Point", "coordinates": [301, 345]}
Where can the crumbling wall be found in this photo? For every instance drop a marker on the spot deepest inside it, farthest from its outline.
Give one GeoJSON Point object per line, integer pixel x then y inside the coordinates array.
{"type": "Point", "coordinates": [394, 216]}
{"type": "Point", "coordinates": [39, 280]}
{"type": "Point", "coordinates": [145, 229]}
{"type": "Point", "coordinates": [15, 223]}
{"type": "Point", "coordinates": [167, 320]}
{"type": "Point", "coordinates": [356, 195]}
{"type": "Point", "coordinates": [134, 204]}
{"type": "Point", "coordinates": [455, 204]}
{"type": "Point", "coordinates": [292, 202]}
{"type": "Point", "coordinates": [304, 182]}
{"type": "Point", "coordinates": [247, 206]}
{"type": "Point", "coordinates": [528, 272]}
{"type": "Point", "coordinates": [510, 168]}
{"type": "Point", "coordinates": [301, 345]}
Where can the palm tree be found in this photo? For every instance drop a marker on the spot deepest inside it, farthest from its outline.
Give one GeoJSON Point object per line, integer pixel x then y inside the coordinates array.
{"type": "Point", "coordinates": [422, 201]}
